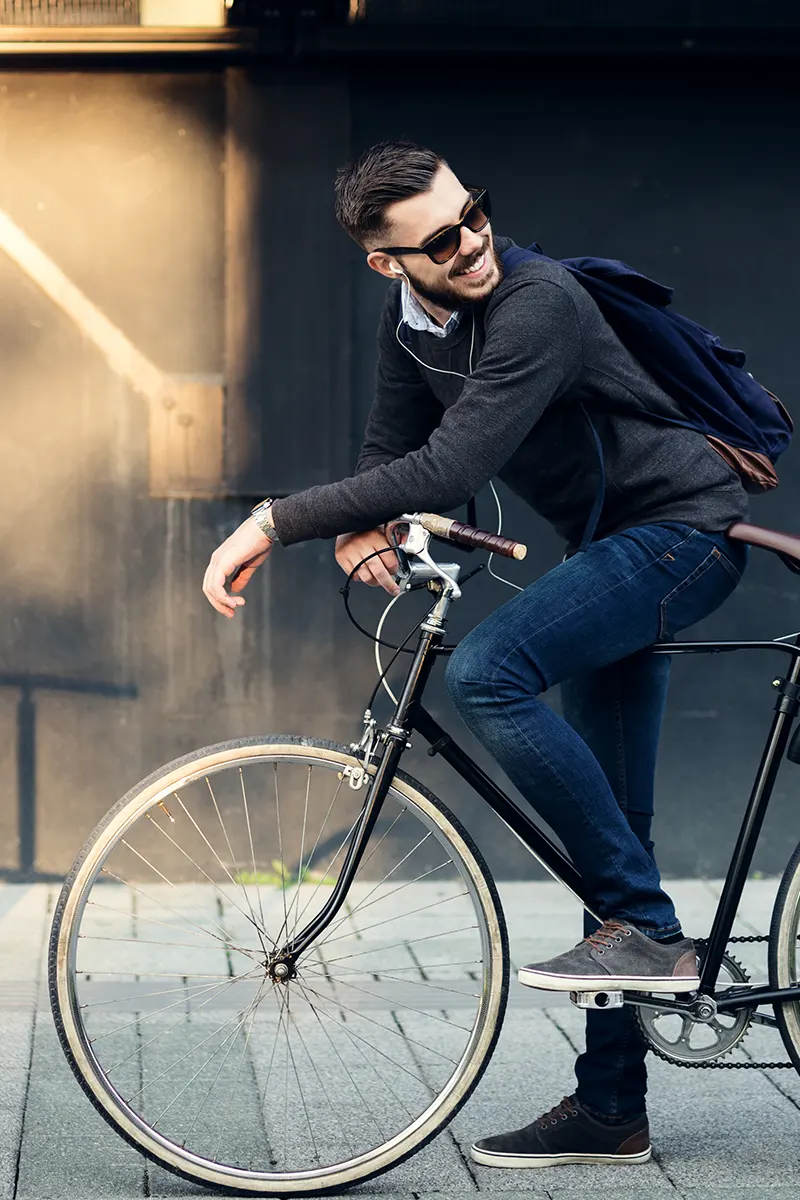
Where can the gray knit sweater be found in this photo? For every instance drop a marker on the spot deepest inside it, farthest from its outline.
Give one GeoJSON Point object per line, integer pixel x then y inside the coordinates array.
{"type": "Point", "coordinates": [541, 347]}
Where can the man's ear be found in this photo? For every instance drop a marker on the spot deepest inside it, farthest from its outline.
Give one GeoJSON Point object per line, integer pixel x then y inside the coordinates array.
{"type": "Point", "coordinates": [383, 263]}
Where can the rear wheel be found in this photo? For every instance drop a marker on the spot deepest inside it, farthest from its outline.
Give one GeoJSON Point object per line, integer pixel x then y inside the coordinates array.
{"type": "Point", "coordinates": [784, 961]}
{"type": "Point", "coordinates": [185, 1040]}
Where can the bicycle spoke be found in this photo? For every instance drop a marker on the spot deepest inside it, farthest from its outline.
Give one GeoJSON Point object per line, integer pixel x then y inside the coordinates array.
{"type": "Point", "coordinates": [189, 858]}
{"type": "Point", "coordinates": [281, 1008]}
{"type": "Point", "coordinates": [364, 902]}
{"type": "Point", "coordinates": [232, 1038]}
{"type": "Point", "coordinates": [98, 937]}
{"type": "Point", "coordinates": [301, 869]}
{"type": "Point", "coordinates": [201, 990]}
{"type": "Point", "coordinates": [175, 887]}
{"type": "Point", "coordinates": [330, 864]}
{"type": "Point", "coordinates": [154, 900]}
{"type": "Point", "coordinates": [280, 852]}
{"type": "Point", "coordinates": [416, 982]}
{"type": "Point", "coordinates": [183, 1057]}
{"type": "Point", "coordinates": [333, 1108]}
{"type": "Point", "coordinates": [367, 1107]}
{"type": "Point", "coordinates": [247, 916]}
{"type": "Point", "coordinates": [370, 971]}
{"type": "Point", "coordinates": [352, 1033]}
{"type": "Point", "coordinates": [297, 1079]}
{"type": "Point", "coordinates": [252, 1013]}
{"type": "Point", "coordinates": [406, 942]}
{"type": "Point", "coordinates": [213, 1055]}
{"type": "Point", "coordinates": [150, 920]}
{"type": "Point", "coordinates": [362, 1016]}
{"type": "Point", "coordinates": [141, 995]}
{"type": "Point", "coordinates": [159, 974]}
{"type": "Point", "coordinates": [371, 1065]}
{"type": "Point", "coordinates": [388, 920]}
{"type": "Point", "coordinates": [230, 851]}
{"type": "Point", "coordinates": [418, 879]}
{"type": "Point", "coordinates": [378, 844]}
{"type": "Point", "coordinates": [252, 851]}
{"type": "Point", "coordinates": [400, 1004]}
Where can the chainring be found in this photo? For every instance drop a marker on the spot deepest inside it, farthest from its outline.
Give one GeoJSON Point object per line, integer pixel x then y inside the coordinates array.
{"type": "Point", "coordinates": [682, 1039]}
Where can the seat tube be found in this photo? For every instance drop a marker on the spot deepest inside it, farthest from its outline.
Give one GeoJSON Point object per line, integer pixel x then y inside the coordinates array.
{"type": "Point", "coordinates": [787, 707]}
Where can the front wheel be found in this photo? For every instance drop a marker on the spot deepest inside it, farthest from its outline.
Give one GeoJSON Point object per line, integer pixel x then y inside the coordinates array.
{"type": "Point", "coordinates": [784, 962]}
{"type": "Point", "coordinates": [186, 1042]}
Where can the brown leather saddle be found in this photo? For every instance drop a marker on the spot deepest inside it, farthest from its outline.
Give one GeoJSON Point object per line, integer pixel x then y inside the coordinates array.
{"type": "Point", "coordinates": [784, 545]}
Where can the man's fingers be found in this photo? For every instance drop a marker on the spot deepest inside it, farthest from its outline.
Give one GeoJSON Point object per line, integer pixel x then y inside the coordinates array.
{"type": "Point", "coordinates": [382, 577]}
{"type": "Point", "coordinates": [214, 590]}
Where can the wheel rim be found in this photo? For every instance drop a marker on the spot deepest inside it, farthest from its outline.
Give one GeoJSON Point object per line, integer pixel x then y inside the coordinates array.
{"type": "Point", "coordinates": [316, 1080]}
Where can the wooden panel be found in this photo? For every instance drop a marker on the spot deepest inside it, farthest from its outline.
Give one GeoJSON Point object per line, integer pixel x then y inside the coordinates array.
{"type": "Point", "coordinates": [287, 284]}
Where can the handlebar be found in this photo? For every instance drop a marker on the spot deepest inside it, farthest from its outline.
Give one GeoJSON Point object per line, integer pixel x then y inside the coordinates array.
{"type": "Point", "coordinates": [467, 535]}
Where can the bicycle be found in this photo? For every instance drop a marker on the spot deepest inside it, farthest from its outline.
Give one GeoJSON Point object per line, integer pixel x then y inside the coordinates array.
{"type": "Point", "coordinates": [261, 1004]}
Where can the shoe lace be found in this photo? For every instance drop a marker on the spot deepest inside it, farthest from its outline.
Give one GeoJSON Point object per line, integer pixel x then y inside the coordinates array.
{"type": "Point", "coordinates": [562, 1111]}
{"type": "Point", "coordinates": [608, 933]}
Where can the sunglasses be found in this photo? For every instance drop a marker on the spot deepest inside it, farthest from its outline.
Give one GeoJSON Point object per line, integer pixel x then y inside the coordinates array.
{"type": "Point", "coordinates": [445, 245]}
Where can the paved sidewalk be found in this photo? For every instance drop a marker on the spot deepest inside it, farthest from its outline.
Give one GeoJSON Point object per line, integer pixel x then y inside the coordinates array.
{"type": "Point", "coordinates": [718, 1134]}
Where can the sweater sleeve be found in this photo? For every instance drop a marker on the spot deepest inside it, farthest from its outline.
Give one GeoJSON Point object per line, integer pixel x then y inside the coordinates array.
{"type": "Point", "coordinates": [532, 355]}
{"type": "Point", "coordinates": [404, 412]}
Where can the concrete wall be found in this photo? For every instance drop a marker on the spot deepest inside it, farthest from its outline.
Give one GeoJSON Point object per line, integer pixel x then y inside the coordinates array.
{"type": "Point", "coordinates": [108, 652]}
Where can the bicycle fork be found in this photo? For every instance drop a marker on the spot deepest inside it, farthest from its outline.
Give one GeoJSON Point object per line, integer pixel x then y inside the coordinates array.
{"type": "Point", "coordinates": [282, 963]}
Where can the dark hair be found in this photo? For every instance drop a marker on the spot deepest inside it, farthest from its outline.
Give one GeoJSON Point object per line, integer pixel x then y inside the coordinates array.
{"type": "Point", "coordinates": [382, 175]}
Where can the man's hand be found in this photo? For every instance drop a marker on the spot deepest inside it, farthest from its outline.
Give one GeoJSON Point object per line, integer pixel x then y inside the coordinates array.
{"type": "Point", "coordinates": [244, 551]}
{"type": "Point", "coordinates": [352, 547]}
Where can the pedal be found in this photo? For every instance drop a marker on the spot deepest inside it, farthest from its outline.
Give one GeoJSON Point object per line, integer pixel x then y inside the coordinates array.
{"type": "Point", "coordinates": [600, 1000]}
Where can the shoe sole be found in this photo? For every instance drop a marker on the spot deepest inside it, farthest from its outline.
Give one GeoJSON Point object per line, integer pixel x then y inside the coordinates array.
{"type": "Point", "coordinates": [619, 983]}
{"type": "Point", "coordinates": [487, 1159]}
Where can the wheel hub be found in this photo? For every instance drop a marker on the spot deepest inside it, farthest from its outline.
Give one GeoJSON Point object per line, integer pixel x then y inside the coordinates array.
{"type": "Point", "coordinates": [281, 970]}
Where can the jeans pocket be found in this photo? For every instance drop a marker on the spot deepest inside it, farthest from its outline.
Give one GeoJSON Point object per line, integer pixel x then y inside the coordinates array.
{"type": "Point", "coordinates": [698, 594]}
{"type": "Point", "coordinates": [730, 567]}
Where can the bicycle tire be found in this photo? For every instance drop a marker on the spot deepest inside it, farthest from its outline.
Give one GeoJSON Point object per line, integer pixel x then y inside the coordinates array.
{"type": "Point", "coordinates": [140, 799]}
{"type": "Point", "coordinates": [783, 958]}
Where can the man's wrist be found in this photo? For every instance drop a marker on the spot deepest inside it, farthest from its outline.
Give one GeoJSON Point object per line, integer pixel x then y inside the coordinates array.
{"type": "Point", "coordinates": [262, 515]}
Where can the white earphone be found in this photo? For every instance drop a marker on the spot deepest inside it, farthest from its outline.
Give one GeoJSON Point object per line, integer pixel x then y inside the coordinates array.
{"type": "Point", "coordinates": [440, 371]}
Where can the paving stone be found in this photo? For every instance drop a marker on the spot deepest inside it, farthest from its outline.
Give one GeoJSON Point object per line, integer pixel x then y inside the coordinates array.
{"type": "Point", "coordinates": [718, 1135]}
{"type": "Point", "coordinates": [67, 1148]}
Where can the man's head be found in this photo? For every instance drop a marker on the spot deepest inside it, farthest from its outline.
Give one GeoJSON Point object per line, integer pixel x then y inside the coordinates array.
{"type": "Point", "coordinates": [397, 194]}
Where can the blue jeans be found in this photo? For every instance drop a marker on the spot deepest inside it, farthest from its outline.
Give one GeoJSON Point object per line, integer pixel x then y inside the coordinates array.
{"type": "Point", "coordinates": [588, 625]}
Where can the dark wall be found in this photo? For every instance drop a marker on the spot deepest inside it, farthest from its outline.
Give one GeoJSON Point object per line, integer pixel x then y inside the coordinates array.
{"type": "Point", "coordinates": [109, 650]}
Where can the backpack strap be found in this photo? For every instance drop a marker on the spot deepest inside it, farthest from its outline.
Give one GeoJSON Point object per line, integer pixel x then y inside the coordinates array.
{"type": "Point", "coordinates": [600, 494]}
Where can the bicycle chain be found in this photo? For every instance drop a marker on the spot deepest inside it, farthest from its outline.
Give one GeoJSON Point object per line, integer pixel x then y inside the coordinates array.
{"type": "Point", "coordinates": [728, 1066]}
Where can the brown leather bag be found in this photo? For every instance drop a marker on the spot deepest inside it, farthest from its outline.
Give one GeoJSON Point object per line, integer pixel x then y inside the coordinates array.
{"type": "Point", "coordinates": [757, 472]}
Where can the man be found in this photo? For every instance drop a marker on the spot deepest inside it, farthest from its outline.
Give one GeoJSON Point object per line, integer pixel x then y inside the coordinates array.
{"type": "Point", "coordinates": [480, 376]}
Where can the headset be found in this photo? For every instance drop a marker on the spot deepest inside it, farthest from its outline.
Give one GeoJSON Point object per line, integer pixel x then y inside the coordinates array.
{"type": "Point", "coordinates": [440, 371]}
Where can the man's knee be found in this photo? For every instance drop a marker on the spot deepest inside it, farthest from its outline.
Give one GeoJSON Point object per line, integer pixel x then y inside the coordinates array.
{"type": "Point", "coordinates": [482, 667]}
{"type": "Point", "coordinates": [466, 673]}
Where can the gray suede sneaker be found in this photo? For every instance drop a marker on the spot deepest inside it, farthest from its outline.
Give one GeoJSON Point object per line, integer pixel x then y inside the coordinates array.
{"type": "Point", "coordinates": [617, 958]}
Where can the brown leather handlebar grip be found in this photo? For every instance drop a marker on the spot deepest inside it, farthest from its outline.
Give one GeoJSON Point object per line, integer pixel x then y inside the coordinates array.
{"type": "Point", "coordinates": [467, 535]}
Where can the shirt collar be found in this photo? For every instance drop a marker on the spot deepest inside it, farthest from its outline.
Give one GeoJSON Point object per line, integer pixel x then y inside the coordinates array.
{"type": "Point", "coordinates": [416, 316]}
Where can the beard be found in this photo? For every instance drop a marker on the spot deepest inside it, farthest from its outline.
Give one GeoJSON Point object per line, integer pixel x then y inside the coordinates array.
{"type": "Point", "coordinates": [447, 295]}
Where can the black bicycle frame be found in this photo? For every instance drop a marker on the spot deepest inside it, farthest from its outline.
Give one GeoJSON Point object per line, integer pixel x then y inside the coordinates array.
{"type": "Point", "coordinates": [410, 717]}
